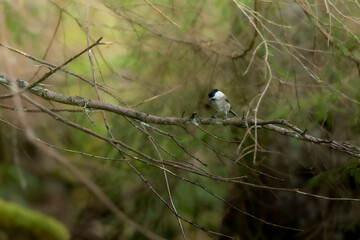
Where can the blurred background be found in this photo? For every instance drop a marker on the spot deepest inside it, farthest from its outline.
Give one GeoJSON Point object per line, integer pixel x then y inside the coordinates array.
{"type": "Point", "coordinates": [296, 60]}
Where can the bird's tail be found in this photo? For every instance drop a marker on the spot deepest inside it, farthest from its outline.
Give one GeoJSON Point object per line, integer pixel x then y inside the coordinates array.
{"type": "Point", "coordinates": [231, 111]}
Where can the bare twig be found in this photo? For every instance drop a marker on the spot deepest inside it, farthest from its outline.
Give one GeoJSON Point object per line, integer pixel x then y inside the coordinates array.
{"type": "Point", "coordinates": [8, 107]}
{"type": "Point", "coordinates": [327, 35]}
{"type": "Point", "coordinates": [51, 65]}
{"type": "Point", "coordinates": [236, 180]}
{"type": "Point", "coordinates": [155, 97]}
{"type": "Point", "coordinates": [50, 43]}
{"type": "Point", "coordinates": [52, 71]}
{"type": "Point", "coordinates": [96, 190]}
{"type": "Point", "coordinates": [161, 13]}
{"type": "Point", "coordinates": [166, 181]}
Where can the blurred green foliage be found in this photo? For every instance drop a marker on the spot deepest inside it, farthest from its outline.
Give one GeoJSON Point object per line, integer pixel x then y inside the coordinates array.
{"type": "Point", "coordinates": [23, 223]}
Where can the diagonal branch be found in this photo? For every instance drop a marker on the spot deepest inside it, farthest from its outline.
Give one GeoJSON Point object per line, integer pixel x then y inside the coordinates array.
{"type": "Point", "coordinates": [63, 69]}
{"type": "Point", "coordinates": [285, 128]}
{"type": "Point", "coordinates": [53, 70]}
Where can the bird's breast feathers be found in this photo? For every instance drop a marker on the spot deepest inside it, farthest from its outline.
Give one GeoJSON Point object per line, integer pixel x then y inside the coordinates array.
{"type": "Point", "coordinates": [222, 105]}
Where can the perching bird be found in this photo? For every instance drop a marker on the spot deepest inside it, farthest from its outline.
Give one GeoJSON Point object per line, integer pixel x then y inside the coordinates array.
{"type": "Point", "coordinates": [220, 102]}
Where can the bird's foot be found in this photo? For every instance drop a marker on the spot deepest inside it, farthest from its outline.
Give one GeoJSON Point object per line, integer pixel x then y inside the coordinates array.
{"type": "Point", "coordinates": [193, 115]}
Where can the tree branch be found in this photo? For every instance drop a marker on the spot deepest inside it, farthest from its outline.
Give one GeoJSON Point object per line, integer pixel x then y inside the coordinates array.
{"type": "Point", "coordinates": [286, 127]}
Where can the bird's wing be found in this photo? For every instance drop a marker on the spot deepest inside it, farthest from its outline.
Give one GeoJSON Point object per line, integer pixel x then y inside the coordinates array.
{"type": "Point", "coordinates": [230, 110]}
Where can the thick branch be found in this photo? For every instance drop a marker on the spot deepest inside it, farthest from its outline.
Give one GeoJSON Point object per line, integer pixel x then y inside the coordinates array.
{"type": "Point", "coordinates": [286, 128]}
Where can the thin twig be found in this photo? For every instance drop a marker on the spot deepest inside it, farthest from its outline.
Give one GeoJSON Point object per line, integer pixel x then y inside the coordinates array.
{"type": "Point", "coordinates": [51, 65]}
{"type": "Point", "coordinates": [52, 71]}
{"type": "Point", "coordinates": [236, 180]}
{"type": "Point", "coordinates": [155, 97]}
{"type": "Point", "coordinates": [166, 182]}
{"type": "Point", "coordinates": [96, 190]}
{"type": "Point", "coordinates": [161, 13]}
{"type": "Point", "coordinates": [22, 109]}
{"type": "Point", "coordinates": [50, 43]}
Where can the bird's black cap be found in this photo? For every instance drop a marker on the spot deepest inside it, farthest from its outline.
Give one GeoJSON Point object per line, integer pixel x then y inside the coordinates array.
{"type": "Point", "coordinates": [212, 93]}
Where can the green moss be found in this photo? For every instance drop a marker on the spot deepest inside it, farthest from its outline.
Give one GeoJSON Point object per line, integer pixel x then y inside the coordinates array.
{"type": "Point", "coordinates": [29, 224]}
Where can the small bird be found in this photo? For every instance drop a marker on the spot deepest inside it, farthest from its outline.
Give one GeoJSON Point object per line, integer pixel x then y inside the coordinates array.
{"type": "Point", "coordinates": [220, 102]}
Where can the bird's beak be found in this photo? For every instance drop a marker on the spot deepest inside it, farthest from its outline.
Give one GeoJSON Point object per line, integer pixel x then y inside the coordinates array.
{"type": "Point", "coordinates": [209, 99]}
